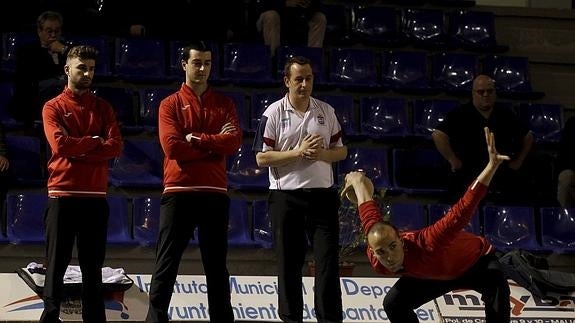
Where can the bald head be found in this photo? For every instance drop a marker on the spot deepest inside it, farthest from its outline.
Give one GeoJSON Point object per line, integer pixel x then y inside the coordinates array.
{"type": "Point", "coordinates": [484, 94]}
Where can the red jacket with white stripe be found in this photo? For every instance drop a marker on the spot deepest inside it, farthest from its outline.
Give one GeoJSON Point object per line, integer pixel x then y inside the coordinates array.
{"type": "Point", "coordinates": [440, 251]}
{"type": "Point", "coordinates": [199, 165]}
{"type": "Point", "coordinates": [83, 135]}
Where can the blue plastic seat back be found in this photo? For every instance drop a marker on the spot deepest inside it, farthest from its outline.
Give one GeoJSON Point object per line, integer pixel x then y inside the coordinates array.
{"type": "Point", "coordinates": [247, 63]}
{"type": "Point", "coordinates": [510, 227]}
{"type": "Point", "coordinates": [25, 217]}
{"type": "Point", "coordinates": [6, 94]}
{"type": "Point", "coordinates": [544, 120]}
{"type": "Point", "coordinates": [140, 59]}
{"type": "Point", "coordinates": [239, 99]}
{"type": "Point", "coordinates": [405, 70]}
{"type": "Point", "coordinates": [425, 27]}
{"type": "Point", "coordinates": [338, 27]}
{"type": "Point", "coordinates": [376, 25]}
{"type": "Point", "coordinates": [243, 171]}
{"type": "Point", "coordinates": [260, 102]}
{"type": "Point", "coordinates": [146, 213]}
{"type": "Point", "coordinates": [150, 99]}
{"type": "Point", "coordinates": [438, 210]}
{"type": "Point", "coordinates": [344, 110]}
{"type": "Point", "coordinates": [373, 161]}
{"type": "Point", "coordinates": [473, 29]}
{"type": "Point", "coordinates": [315, 54]}
{"type": "Point", "coordinates": [240, 224]}
{"type": "Point", "coordinates": [139, 166]}
{"type": "Point", "coordinates": [263, 231]}
{"type": "Point", "coordinates": [510, 73]}
{"type": "Point", "coordinates": [350, 233]}
{"type": "Point", "coordinates": [353, 68]}
{"type": "Point", "coordinates": [123, 101]}
{"type": "Point", "coordinates": [27, 160]}
{"type": "Point", "coordinates": [119, 227]}
{"type": "Point", "coordinates": [102, 44]}
{"type": "Point", "coordinates": [427, 113]}
{"type": "Point", "coordinates": [384, 117]}
{"type": "Point", "coordinates": [406, 216]}
{"type": "Point", "coordinates": [557, 228]}
{"type": "Point", "coordinates": [419, 170]}
{"type": "Point", "coordinates": [11, 41]}
{"type": "Point", "coordinates": [454, 72]}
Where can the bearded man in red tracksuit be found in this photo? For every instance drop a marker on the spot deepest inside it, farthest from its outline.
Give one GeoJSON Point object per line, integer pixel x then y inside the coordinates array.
{"type": "Point", "coordinates": [83, 135]}
{"type": "Point", "coordinates": [198, 130]}
{"type": "Point", "coordinates": [437, 259]}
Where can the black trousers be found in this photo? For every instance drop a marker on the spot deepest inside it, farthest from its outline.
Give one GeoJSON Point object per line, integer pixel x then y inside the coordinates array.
{"type": "Point", "coordinates": [84, 219]}
{"type": "Point", "coordinates": [485, 277]}
{"type": "Point", "coordinates": [179, 216]}
{"type": "Point", "coordinates": [300, 216]}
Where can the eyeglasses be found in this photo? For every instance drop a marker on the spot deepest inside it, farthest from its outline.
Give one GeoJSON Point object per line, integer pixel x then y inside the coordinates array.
{"type": "Point", "coordinates": [485, 92]}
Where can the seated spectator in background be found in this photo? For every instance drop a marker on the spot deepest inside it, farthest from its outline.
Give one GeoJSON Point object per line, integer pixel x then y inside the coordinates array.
{"type": "Point", "coordinates": [436, 259]}
{"type": "Point", "coordinates": [39, 74]}
{"type": "Point", "coordinates": [566, 166]}
{"type": "Point", "coordinates": [134, 18]}
{"type": "Point", "coordinates": [458, 138]}
{"type": "Point", "coordinates": [292, 22]}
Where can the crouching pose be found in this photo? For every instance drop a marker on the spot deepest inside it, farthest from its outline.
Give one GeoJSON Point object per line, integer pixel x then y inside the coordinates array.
{"type": "Point", "coordinates": [436, 259]}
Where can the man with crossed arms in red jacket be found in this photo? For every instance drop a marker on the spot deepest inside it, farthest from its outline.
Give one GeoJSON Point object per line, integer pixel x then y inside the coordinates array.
{"type": "Point", "coordinates": [436, 259]}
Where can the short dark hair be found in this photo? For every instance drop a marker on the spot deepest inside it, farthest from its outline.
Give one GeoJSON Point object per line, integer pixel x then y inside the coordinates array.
{"type": "Point", "coordinates": [199, 45]}
{"type": "Point", "coordinates": [301, 60]}
{"type": "Point", "coordinates": [83, 52]}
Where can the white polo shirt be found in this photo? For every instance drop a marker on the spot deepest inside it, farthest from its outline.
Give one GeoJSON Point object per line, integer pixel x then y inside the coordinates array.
{"type": "Point", "coordinates": [282, 128]}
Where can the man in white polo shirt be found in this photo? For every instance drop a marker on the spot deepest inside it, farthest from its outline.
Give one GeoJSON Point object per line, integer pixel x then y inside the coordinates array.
{"type": "Point", "coordinates": [299, 138]}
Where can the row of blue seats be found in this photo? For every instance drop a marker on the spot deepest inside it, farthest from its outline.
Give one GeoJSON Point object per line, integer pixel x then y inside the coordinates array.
{"type": "Point", "coordinates": [134, 221]}
{"type": "Point", "coordinates": [417, 171]}
{"type": "Point", "coordinates": [155, 61]}
{"type": "Point", "coordinates": [375, 116]}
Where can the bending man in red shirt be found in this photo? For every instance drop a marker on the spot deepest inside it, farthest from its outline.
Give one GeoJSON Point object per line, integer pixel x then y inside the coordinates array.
{"type": "Point", "coordinates": [437, 259]}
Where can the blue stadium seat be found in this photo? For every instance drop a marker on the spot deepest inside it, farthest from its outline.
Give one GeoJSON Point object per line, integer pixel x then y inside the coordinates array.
{"type": "Point", "coordinates": [122, 100]}
{"type": "Point", "coordinates": [427, 113]}
{"type": "Point", "coordinates": [25, 216]}
{"type": "Point", "coordinates": [140, 60]}
{"type": "Point", "coordinates": [239, 99]}
{"type": "Point", "coordinates": [150, 99]}
{"type": "Point", "coordinates": [105, 56]}
{"type": "Point", "coordinates": [240, 224]}
{"type": "Point", "coordinates": [119, 226]}
{"type": "Point", "coordinates": [406, 216]}
{"type": "Point", "coordinates": [260, 101]}
{"type": "Point", "coordinates": [139, 166]}
{"type": "Point", "coordinates": [406, 72]}
{"type": "Point", "coordinates": [6, 93]}
{"type": "Point", "coordinates": [11, 41]}
{"type": "Point", "coordinates": [353, 68]}
{"type": "Point", "coordinates": [419, 171]}
{"type": "Point", "coordinates": [338, 28]}
{"type": "Point", "coordinates": [545, 120]}
{"type": "Point", "coordinates": [557, 227]}
{"type": "Point", "coordinates": [425, 28]}
{"type": "Point", "coordinates": [510, 227]}
{"type": "Point", "coordinates": [344, 109]}
{"type": "Point", "coordinates": [384, 117]}
{"type": "Point", "coordinates": [146, 214]}
{"type": "Point", "coordinates": [512, 77]}
{"type": "Point", "coordinates": [27, 160]}
{"type": "Point", "coordinates": [454, 73]}
{"type": "Point", "coordinates": [175, 70]}
{"type": "Point", "coordinates": [377, 26]}
{"type": "Point", "coordinates": [315, 54]}
{"type": "Point", "coordinates": [248, 64]}
{"type": "Point", "coordinates": [263, 232]}
{"type": "Point", "coordinates": [373, 161]}
{"type": "Point", "coordinates": [350, 233]}
{"type": "Point", "coordinates": [438, 210]}
{"type": "Point", "coordinates": [474, 31]}
{"type": "Point", "coordinates": [243, 171]}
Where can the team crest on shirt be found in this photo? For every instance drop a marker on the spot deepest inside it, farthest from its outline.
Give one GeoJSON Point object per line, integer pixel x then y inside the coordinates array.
{"type": "Point", "coordinates": [321, 119]}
